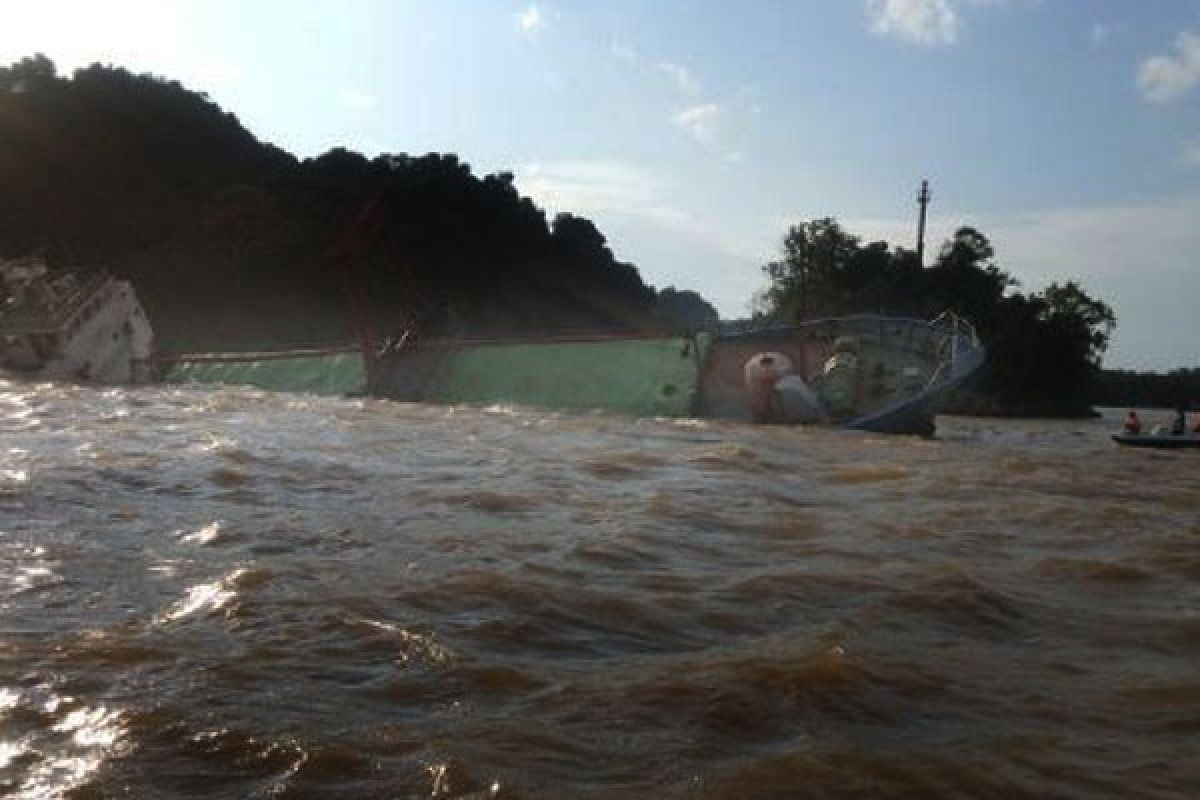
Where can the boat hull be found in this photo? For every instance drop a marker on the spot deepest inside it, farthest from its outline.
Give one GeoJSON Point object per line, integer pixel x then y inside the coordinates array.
{"type": "Point", "coordinates": [907, 368]}
{"type": "Point", "coordinates": [1158, 441]}
{"type": "Point", "coordinates": [72, 326]}
{"type": "Point", "coordinates": [904, 369]}
{"type": "Point", "coordinates": [329, 372]}
{"type": "Point", "coordinates": [647, 377]}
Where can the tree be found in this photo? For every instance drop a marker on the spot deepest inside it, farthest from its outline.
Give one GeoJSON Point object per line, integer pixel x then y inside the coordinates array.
{"type": "Point", "coordinates": [803, 283]}
{"type": "Point", "coordinates": [32, 73]}
{"type": "Point", "coordinates": [1179, 387]}
{"type": "Point", "coordinates": [167, 189]}
{"type": "Point", "coordinates": [1043, 349]}
{"type": "Point", "coordinates": [684, 311]}
{"type": "Point", "coordinates": [965, 279]}
{"type": "Point", "coordinates": [1092, 321]}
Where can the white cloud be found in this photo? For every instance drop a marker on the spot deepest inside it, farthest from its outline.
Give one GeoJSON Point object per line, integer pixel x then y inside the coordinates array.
{"type": "Point", "coordinates": [1138, 259]}
{"type": "Point", "coordinates": [1191, 153]}
{"type": "Point", "coordinates": [705, 122]}
{"type": "Point", "coordinates": [700, 122]}
{"type": "Point", "coordinates": [358, 100]}
{"type": "Point", "coordinates": [683, 78]}
{"type": "Point", "coordinates": [625, 54]}
{"type": "Point", "coordinates": [1167, 77]}
{"type": "Point", "coordinates": [633, 207]}
{"type": "Point", "coordinates": [590, 186]}
{"type": "Point", "coordinates": [749, 99]}
{"type": "Point", "coordinates": [708, 124]}
{"type": "Point", "coordinates": [680, 75]}
{"type": "Point", "coordinates": [921, 22]}
{"type": "Point", "coordinates": [1099, 34]}
{"type": "Point", "coordinates": [531, 20]}
{"type": "Point", "coordinates": [141, 35]}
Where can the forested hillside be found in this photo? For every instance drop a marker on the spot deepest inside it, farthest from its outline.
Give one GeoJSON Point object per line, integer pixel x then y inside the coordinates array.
{"type": "Point", "coordinates": [233, 243]}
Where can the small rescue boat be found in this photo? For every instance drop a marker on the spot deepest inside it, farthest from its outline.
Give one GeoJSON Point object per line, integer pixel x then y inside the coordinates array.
{"type": "Point", "coordinates": [1160, 440]}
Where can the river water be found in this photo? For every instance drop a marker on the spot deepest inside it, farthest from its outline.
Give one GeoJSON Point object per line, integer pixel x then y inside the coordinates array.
{"type": "Point", "coordinates": [229, 594]}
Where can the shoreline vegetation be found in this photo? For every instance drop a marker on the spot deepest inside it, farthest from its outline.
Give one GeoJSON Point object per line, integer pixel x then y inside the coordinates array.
{"type": "Point", "coordinates": [1179, 388]}
{"type": "Point", "coordinates": [234, 244]}
{"type": "Point", "coordinates": [1044, 348]}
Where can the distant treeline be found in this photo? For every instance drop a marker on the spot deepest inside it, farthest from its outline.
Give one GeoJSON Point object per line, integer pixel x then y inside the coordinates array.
{"type": "Point", "coordinates": [233, 243]}
{"type": "Point", "coordinates": [1178, 388]}
{"type": "Point", "coordinates": [1044, 348]}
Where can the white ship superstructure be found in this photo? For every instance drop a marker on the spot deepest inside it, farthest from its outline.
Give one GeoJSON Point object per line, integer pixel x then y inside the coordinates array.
{"type": "Point", "coordinates": [80, 325]}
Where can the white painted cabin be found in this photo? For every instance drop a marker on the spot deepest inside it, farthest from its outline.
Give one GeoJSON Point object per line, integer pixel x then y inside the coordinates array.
{"type": "Point", "coordinates": [76, 325]}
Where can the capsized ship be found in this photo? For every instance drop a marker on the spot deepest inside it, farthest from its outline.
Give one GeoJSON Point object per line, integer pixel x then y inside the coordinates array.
{"type": "Point", "coordinates": [71, 325]}
{"type": "Point", "coordinates": [868, 372]}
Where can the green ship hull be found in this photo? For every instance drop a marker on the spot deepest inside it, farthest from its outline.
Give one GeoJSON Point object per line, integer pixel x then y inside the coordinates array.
{"type": "Point", "coordinates": [903, 370]}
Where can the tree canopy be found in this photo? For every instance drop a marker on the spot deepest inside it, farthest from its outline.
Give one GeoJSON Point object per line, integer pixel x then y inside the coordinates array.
{"type": "Point", "coordinates": [228, 239]}
{"type": "Point", "coordinates": [1178, 388]}
{"type": "Point", "coordinates": [1044, 349]}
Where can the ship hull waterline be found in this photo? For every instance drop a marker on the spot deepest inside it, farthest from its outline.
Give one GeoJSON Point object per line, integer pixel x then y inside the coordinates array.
{"type": "Point", "coordinates": [907, 369]}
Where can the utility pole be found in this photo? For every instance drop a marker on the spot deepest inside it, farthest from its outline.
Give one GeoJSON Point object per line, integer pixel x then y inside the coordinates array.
{"type": "Point", "coordinates": [923, 202]}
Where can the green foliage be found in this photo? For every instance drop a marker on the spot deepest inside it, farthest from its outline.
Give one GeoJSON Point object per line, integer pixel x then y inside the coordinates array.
{"type": "Point", "coordinates": [685, 311]}
{"type": "Point", "coordinates": [816, 255]}
{"type": "Point", "coordinates": [1044, 350]}
{"type": "Point", "coordinates": [31, 73]}
{"type": "Point", "coordinates": [965, 278]}
{"type": "Point", "coordinates": [1178, 388]}
{"type": "Point", "coordinates": [229, 240]}
{"type": "Point", "coordinates": [1088, 320]}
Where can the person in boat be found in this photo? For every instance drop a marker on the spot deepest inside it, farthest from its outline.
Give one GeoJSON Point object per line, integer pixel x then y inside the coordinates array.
{"type": "Point", "coordinates": [1133, 424]}
{"type": "Point", "coordinates": [1179, 426]}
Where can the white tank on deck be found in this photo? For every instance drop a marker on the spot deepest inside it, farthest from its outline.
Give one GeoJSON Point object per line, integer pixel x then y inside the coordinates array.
{"type": "Point", "coordinates": [761, 373]}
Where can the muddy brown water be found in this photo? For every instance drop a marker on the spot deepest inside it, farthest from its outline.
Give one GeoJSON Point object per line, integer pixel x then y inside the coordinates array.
{"type": "Point", "coordinates": [230, 594]}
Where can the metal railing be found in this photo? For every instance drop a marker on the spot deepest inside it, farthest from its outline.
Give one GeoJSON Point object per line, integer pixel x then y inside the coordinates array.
{"type": "Point", "coordinates": [957, 341]}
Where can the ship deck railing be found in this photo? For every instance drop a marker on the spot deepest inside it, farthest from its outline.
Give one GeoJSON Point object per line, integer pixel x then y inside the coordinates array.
{"type": "Point", "coordinates": [39, 318]}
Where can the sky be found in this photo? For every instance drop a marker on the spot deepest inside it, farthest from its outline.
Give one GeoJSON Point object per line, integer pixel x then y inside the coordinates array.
{"type": "Point", "coordinates": [694, 132]}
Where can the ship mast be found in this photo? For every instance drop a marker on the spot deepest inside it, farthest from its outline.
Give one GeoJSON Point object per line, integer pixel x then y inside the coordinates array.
{"type": "Point", "coordinates": [923, 202]}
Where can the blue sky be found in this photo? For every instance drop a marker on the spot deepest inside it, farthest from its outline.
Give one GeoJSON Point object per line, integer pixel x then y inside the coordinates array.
{"type": "Point", "coordinates": [695, 132]}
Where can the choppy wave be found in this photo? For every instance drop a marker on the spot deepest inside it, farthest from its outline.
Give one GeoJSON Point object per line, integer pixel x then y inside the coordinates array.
{"type": "Point", "coordinates": [237, 594]}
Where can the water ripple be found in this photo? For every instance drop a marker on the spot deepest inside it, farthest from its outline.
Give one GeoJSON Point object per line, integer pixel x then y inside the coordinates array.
{"type": "Point", "coordinates": [236, 594]}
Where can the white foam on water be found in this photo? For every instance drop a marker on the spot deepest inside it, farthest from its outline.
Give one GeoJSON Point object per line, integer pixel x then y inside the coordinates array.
{"type": "Point", "coordinates": [61, 758]}
{"type": "Point", "coordinates": [205, 535]}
